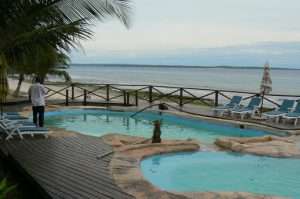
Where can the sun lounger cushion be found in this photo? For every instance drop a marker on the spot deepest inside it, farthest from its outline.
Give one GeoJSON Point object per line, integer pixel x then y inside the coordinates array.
{"type": "Point", "coordinates": [24, 129]}
{"type": "Point", "coordinates": [240, 110]}
{"type": "Point", "coordinates": [293, 115]}
{"type": "Point", "coordinates": [11, 113]}
{"type": "Point", "coordinates": [275, 113]}
{"type": "Point", "coordinates": [15, 117]}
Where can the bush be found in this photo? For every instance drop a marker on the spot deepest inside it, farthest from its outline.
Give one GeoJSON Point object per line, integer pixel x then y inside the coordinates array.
{"type": "Point", "coordinates": [5, 188]}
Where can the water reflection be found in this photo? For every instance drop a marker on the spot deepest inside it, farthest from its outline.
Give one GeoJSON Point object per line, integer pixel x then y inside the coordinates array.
{"type": "Point", "coordinates": [156, 160]}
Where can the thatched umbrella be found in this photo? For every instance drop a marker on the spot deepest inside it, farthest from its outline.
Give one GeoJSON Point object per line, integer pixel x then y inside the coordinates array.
{"type": "Point", "coordinates": [266, 82]}
{"type": "Point", "coordinates": [4, 89]}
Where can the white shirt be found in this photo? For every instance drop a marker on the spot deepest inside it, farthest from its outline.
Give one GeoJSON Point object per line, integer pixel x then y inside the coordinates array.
{"type": "Point", "coordinates": [37, 92]}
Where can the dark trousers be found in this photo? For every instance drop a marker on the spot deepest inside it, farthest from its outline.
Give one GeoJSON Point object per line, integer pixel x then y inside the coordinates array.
{"type": "Point", "coordinates": [38, 110]}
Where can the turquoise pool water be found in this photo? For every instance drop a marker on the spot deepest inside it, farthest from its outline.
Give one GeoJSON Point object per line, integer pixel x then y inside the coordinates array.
{"type": "Point", "coordinates": [100, 122]}
{"type": "Point", "coordinates": [222, 171]}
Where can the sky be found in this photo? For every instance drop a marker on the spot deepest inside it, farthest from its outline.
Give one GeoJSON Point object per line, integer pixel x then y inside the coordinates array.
{"type": "Point", "coordinates": [199, 33]}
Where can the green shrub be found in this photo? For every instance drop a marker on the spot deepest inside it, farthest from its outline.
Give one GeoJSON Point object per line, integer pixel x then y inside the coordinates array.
{"type": "Point", "coordinates": [5, 188]}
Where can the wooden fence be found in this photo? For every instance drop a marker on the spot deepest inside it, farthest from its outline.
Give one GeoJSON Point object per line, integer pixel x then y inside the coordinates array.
{"type": "Point", "coordinates": [132, 95]}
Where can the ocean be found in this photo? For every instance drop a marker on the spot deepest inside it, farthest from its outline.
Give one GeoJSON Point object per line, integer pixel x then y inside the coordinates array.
{"type": "Point", "coordinates": [285, 81]}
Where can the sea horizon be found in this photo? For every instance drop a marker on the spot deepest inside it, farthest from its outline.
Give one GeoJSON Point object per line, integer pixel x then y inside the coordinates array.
{"type": "Point", "coordinates": [178, 66]}
{"type": "Point", "coordinates": [285, 81]}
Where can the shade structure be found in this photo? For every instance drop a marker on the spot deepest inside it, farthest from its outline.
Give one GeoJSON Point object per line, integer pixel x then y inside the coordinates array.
{"type": "Point", "coordinates": [266, 82]}
{"type": "Point", "coordinates": [4, 89]}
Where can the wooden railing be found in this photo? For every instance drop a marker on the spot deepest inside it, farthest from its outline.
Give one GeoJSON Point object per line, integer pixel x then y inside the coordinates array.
{"type": "Point", "coordinates": [130, 95]}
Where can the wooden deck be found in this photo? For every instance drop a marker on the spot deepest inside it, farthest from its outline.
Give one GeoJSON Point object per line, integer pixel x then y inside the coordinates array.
{"type": "Point", "coordinates": [64, 167]}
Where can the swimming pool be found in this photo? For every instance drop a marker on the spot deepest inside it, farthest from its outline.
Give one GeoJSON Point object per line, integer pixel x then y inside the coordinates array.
{"type": "Point", "coordinates": [100, 122]}
{"type": "Point", "coordinates": [224, 171]}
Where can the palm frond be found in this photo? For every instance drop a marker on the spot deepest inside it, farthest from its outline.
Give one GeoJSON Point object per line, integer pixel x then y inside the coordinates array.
{"type": "Point", "coordinates": [101, 9]}
{"type": "Point", "coordinates": [27, 26]}
{"type": "Point", "coordinates": [61, 73]}
{"type": "Point", "coordinates": [61, 36]}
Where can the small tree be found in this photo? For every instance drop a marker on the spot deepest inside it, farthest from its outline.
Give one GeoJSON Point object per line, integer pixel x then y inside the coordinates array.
{"type": "Point", "coordinates": [5, 188]}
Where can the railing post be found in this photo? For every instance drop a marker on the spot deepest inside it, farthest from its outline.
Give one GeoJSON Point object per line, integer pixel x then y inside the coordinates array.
{"type": "Point", "coordinates": [136, 98]}
{"type": "Point", "coordinates": [150, 94]}
{"type": "Point", "coordinates": [107, 92]}
{"type": "Point", "coordinates": [67, 97]}
{"type": "Point", "coordinates": [84, 98]}
{"type": "Point", "coordinates": [216, 98]}
{"type": "Point", "coordinates": [73, 92]}
{"type": "Point", "coordinates": [181, 97]}
{"type": "Point", "coordinates": [127, 100]}
{"type": "Point", "coordinates": [124, 93]}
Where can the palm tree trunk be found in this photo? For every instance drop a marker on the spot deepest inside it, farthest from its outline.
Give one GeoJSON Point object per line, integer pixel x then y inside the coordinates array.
{"type": "Point", "coordinates": [17, 91]}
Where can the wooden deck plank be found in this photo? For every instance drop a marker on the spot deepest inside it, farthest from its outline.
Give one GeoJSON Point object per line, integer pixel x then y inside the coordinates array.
{"type": "Point", "coordinates": [66, 167]}
{"type": "Point", "coordinates": [57, 154]}
{"type": "Point", "coordinates": [69, 171]}
{"type": "Point", "coordinates": [79, 151]}
{"type": "Point", "coordinates": [92, 143]}
{"type": "Point", "coordinates": [84, 182]}
{"type": "Point", "coordinates": [70, 153]}
{"type": "Point", "coordinates": [53, 192]}
{"type": "Point", "coordinates": [99, 149]}
{"type": "Point", "coordinates": [85, 153]}
{"type": "Point", "coordinates": [73, 160]}
{"type": "Point", "coordinates": [61, 179]}
{"type": "Point", "coordinates": [75, 164]}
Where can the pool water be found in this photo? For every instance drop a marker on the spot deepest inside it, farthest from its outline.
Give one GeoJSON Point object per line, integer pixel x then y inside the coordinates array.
{"type": "Point", "coordinates": [223, 171]}
{"type": "Point", "coordinates": [100, 122]}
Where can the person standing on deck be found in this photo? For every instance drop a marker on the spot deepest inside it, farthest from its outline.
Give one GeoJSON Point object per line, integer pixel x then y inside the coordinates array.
{"type": "Point", "coordinates": [37, 96]}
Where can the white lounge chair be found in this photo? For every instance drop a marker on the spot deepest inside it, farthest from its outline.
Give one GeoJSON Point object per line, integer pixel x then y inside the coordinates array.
{"type": "Point", "coordinates": [7, 122]}
{"type": "Point", "coordinates": [13, 117]}
{"type": "Point", "coordinates": [19, 129]}
{"type": "Point", "coordinates": [233, 104]}
{"type": "Point", "coordinates": [286, 107]}
{"type": "Point", "coordinates": [251, 108]}
{"type": "Point", "coordinates": [295, 115]}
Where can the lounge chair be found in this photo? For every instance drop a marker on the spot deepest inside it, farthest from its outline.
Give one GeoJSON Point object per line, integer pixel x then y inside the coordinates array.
{"type": "Point", "coordinates": [13, 117]}
{"type": "Point", "coordinates": [233, 104]}
{"type": "Point", "coordinates": [10, 113]}
{"type": "Point", "coordinates": [15, 122]}
{"type": "Point", "coordinates": [251, 108]}
{"type": "Point", "coordinates": [19, 129]}
{"type": "Point", "coordinates": [293, 115]}
{"type": "Point", "coordinates": [286, 107]}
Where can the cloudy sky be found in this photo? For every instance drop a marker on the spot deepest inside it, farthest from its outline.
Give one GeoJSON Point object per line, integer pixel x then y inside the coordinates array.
{"type": "Point", "coordinates": [200, 32]}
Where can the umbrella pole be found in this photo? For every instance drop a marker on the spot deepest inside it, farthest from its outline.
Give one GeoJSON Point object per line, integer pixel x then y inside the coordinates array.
{"type": "Point", "coordinates": [262, 103]}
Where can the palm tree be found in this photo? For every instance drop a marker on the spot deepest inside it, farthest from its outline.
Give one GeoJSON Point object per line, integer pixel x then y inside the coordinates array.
{"type": "Point", "coordinates": [4, 89]}
{"type": "Point", "coordinates": [27, 27]}
{"type": "Point", "coordinates": [53, 63]}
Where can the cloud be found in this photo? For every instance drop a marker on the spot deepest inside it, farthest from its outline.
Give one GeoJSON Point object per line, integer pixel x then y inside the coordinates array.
{"type": "Point", "coordinates": [280, 54]}
{"type": "Point", "coordinates": [198, 32]}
